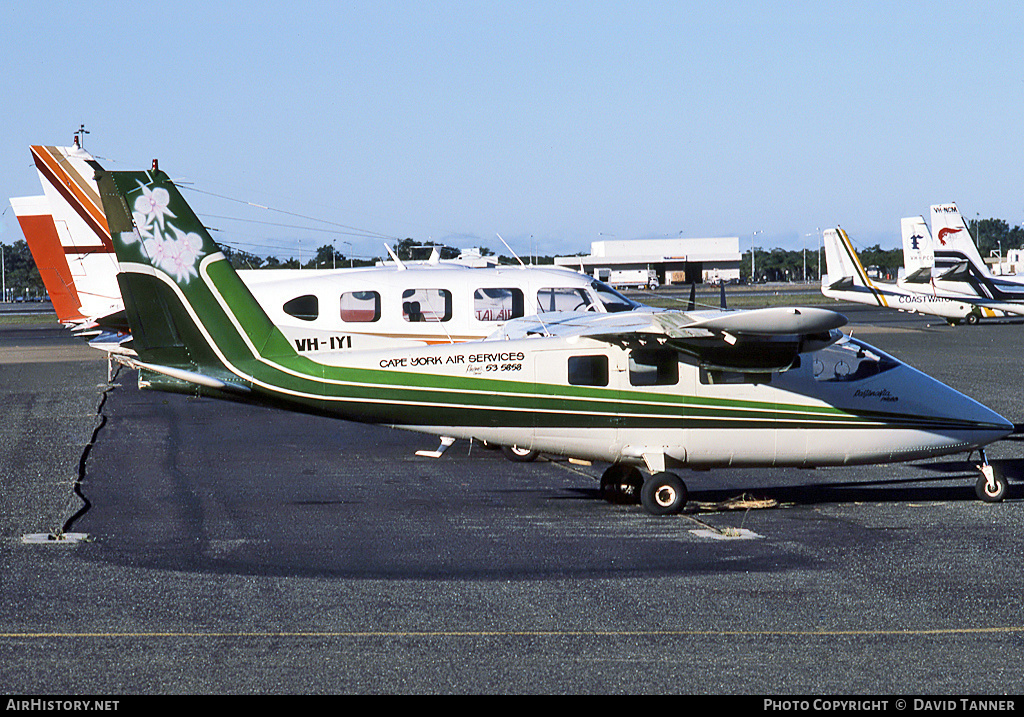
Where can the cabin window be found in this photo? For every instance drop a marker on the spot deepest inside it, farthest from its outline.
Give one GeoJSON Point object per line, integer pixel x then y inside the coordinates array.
{"type": "Point", "coordinates": [498, 304]}
{"type": "Point", "coordinates": [718, 377]}
{"type": "Point", "coordinates": [613, 301]}
{"type": "Point", "coordinates": [653, 367]}
{"type": "Point", "coordinates": [564, 298]}
{"type": "Point", "coordinates": [305, 307]}
{"type": "Point", "coordinates": [360, 306]}
{"type": "Point", "coordinates": [427, 305]}
{"type": "Point", "coordinates": [588, 370]}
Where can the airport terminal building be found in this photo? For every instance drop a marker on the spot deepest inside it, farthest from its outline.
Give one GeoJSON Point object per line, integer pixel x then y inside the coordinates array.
{"type": "Point", "coordinates": [668, 261]}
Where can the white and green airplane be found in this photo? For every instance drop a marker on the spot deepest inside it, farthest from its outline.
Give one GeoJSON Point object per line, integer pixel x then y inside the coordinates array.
{"type": "Point", "coordinates": [660, 391]}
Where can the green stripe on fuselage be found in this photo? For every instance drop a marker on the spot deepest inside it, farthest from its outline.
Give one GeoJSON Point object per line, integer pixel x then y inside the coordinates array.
{"type": "Point", "coordinates": [420, 398]}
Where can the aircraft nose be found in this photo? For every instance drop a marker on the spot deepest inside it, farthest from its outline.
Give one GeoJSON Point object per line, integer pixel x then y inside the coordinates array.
{"type": "Point", "coordinates": [981, 424]}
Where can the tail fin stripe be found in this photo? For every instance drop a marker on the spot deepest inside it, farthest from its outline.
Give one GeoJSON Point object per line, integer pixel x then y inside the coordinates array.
{"type": "Point", "coordinates": [859, 268]}
{"type": "Point", "coordinates": [78, 194]}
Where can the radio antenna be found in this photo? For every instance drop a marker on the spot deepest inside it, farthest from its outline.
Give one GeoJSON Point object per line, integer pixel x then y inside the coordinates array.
{"type": "Point", "coordinates": [516, 256]}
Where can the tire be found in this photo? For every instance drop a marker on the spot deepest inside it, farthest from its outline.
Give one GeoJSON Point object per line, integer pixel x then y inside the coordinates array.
{"type": "Point", "coordinates": [663, 494]}
{"type": "Point", "coordinates": [994, 493]}
{"type": "Point", "coordinates": [621, 484]}
{"type": "Point", "coordinates": [519, 455]}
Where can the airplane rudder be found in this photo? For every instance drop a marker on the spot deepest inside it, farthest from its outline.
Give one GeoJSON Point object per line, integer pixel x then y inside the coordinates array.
{"type": "Point", "coordinates": [156, 232]}
{"type": "Point", "coordinates": [833, 258]}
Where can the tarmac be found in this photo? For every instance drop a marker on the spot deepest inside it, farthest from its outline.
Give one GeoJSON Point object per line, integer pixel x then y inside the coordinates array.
{"type": "Point", "coordinates": [210, 548]}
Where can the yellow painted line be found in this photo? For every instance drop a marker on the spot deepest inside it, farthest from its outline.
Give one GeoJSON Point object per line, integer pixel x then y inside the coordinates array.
{"type": "Point", "coordinates": [1013, 629]}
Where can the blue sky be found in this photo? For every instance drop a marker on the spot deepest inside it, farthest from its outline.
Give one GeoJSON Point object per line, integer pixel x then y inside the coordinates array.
{"type": "Point", "coordinates": [554, 124]}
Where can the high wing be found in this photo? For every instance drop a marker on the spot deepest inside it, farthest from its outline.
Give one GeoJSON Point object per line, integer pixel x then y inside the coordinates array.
{"type": "Point", "coordinates": [758, 340]}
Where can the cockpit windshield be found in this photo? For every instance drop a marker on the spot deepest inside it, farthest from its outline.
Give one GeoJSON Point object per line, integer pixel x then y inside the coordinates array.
{"type": "Point", "coordinates": [851, 360]}
{"type": "Point", "coordinates": [613, 301]}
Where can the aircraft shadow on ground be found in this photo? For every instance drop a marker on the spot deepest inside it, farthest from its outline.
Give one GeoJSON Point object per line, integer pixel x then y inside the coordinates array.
{"type": "Point", "coordinates": [951, 481]}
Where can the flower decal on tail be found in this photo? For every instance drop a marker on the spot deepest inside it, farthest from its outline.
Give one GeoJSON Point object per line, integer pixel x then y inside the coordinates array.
{"type": "Point", "coordinates": [168, 247]}
{"type": "Point", "coordinates": [152, 206]}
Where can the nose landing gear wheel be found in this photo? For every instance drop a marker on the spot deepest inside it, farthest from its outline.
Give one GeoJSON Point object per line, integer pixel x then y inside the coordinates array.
{"type": "Point", "coordinates": [991, 485]}
{"type": "Point", "coordinates": [663, 494]}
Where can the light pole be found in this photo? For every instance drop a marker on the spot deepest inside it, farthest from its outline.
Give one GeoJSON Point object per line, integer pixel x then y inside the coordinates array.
{"type": "Point", "coordinates": [804, 248]}
{"type": "Point", "coordinates": [752, 273]}
{"type": "Point", "coordinates": [977, 230]}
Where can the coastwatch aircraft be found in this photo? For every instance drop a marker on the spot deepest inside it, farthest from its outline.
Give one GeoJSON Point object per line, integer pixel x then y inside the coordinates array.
{"type": "Point", "coordinates": [946, 263]}
{"type": "Point", "coordinates": [845, 279]}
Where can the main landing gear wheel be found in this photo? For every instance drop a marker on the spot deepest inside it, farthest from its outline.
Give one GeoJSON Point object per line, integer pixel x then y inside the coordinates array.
{"type": "Point", "coordinates": [663, 494]}
{"type": "Point", "coordinates": [621, 484]}
{"type": "Point", "coordinates": [519, 455]}
{"type": "Point", "coordinates": [991, 485]}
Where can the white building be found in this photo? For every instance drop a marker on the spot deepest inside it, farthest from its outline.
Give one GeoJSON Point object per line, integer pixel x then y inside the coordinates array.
{"type": "Point", "coordinates": [1011, 265]}
{"type": "Point", "coordinates": [672, 261]}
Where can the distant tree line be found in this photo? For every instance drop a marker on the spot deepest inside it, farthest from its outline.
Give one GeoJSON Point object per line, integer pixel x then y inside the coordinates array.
{"type": "Point", "coordinates": [327, 257]}
{"type": "Point", "coordinates": [803, 266]}
{"type": "Point", "coordinates": [22, 279]}
{"type": "Point", "coordinates": [995, 235]}
{"type": "Point", "coordinates": [991, 236]}
{"type": "Point", "coordinates": [20, 276]}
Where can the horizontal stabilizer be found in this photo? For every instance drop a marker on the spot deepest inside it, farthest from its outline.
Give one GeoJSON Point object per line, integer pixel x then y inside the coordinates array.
{"type": "Point", "coordinates": [191, 377]}
{"type": "Point", "coordinates": [845, 282]}
{"type": "Point", "coordinates": [921, 276]}
{"type": "Point", "coordinates": [958, 272]}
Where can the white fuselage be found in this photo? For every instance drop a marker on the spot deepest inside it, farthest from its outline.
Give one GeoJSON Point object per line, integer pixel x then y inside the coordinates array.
{"type": "Point", "coordinates": [902, 297]}
{"type": "Point", "coordinates": [388, 306]}
{"type": "Point", "coordinates": [843, 405]}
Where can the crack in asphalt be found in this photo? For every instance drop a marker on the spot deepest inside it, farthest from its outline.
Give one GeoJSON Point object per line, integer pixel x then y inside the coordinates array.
{"type": "Point", "coordinates": [84, 459]}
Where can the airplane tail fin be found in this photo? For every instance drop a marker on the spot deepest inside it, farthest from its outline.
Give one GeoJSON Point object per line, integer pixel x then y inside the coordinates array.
{"type": "Point", "coordinates": [76, 250]}
{"type": "Point", "coordinates": [952, 238]}
{"type": "Point", "coordinates": [192, 318]}
{"type": "Point", "coordinates": [40, 232]}
{"type": "Point", "coordinates": [918, 251]}
{"type": "Point", "coordinates": [843, 269]}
